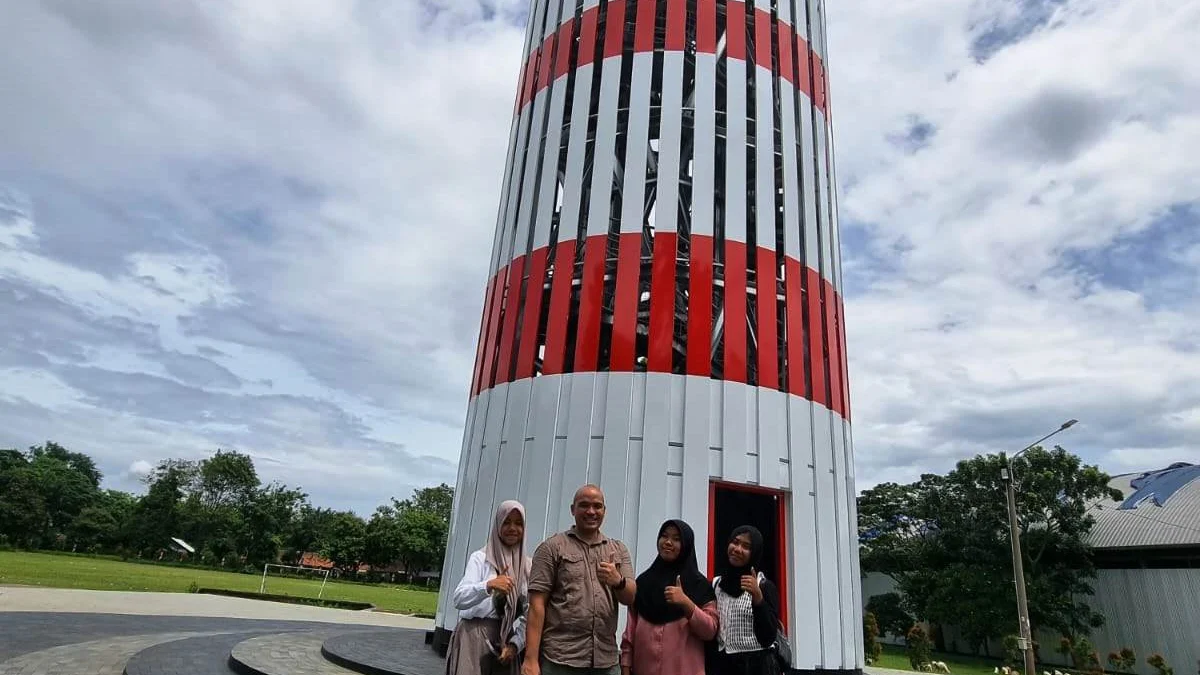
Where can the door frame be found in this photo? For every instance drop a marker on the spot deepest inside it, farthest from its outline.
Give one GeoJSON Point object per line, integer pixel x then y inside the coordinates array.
{"type": "Point", "coordinates": [780, 533]}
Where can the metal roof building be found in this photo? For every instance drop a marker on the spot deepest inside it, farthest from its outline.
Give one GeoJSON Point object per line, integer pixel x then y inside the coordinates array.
{"type": "Point", "coordinates": [1160, 511]}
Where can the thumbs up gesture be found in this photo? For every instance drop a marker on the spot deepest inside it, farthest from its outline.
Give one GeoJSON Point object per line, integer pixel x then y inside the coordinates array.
{"type": "Point", "coordinates": [502, 583]}
{"type": "Point", "coordinates": [677, 597]}
{"type": "Point", "coordinates": [750, 585]}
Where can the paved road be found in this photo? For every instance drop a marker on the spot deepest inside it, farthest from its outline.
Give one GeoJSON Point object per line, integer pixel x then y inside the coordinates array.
{"type": "Point", "coordinates": [36, 599]}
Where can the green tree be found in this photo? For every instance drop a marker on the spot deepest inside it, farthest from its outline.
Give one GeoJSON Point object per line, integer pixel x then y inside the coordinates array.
{"type": "Point", "coordinates": [945, 541]}
{"type": "Point", "coordinates": [889, 614]}
{"type": "Point", "coordinates": [157, 516]}
{"type": "Point", "coordinates": [384, 538]}
{"type": "Point", "coordinates": [422, 540]}
{"type": "Point", "coordinates": [265, 518]}
{"type": "Point", "coordinates": [344, 540]}
{"type": "Point", "coordinates": [227, 478]}
{"type": "Point", "coordinates": [23, 513]}
{"type": "Point", "coordinates": [438, 501]}
{"type": "Point", "coordinates": [76, 461]}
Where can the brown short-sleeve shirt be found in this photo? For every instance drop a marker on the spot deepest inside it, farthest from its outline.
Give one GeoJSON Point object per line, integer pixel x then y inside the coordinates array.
{"type": "Point", "coordinates": [580, 629]}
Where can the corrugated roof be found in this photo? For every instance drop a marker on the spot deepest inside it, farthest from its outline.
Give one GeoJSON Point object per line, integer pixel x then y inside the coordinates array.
{"type": "Point", "coordinates": [1161, 508]}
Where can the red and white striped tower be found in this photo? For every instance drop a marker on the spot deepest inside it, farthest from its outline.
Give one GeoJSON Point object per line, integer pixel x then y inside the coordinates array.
{"type": "Point", "coordinates": [664, 316]}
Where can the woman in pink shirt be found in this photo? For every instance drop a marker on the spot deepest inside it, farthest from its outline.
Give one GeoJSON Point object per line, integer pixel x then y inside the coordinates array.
{"type": "Point", "coordinates": [674, 612]}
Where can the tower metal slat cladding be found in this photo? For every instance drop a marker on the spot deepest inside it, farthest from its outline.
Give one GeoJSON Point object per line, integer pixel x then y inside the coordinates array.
{"type": "Point", "coordinates": [664, 313]}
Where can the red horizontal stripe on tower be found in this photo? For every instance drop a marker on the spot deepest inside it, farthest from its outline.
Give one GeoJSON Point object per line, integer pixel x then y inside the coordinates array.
{"type": "Point", "coordinates": [534, 290]}
{"type": "Point", "coordinates": [512, 310]}
{"type": "Point", "coordinates": [591, 297]}
{"type": "Point", "coordinates": [786, 45]}
{"type": "Point", "coordinates": [821, 89]}
{"type": "Point", "coordinates": [706, 26]}
{"type": "Point", "coordinates": [700, 318]}
{"type": "Point", "coordinates": [489, 342]}
{"type": "Point", "coordinates": [662, 303]}
{"type": "Point", "coordinates": [676, 25]}
{"type": "Point", "coordinates": [816, 337]}
{"type": "Point", "coordinates": [479, 345]}
{"type": "Point", "coordinates": [794, 302]}
{"type": "Point", "coordinates": [735, 311]}
{"type": "Point", "coordinates": [768, 333]}
{"type": "Point", "coordinates": [561, 44]}
{"type": "Point", "coordinates": [813, 323]}
{"type": "Point", "coordinates": [762, 38]}
{"type": "Point", "coordinates": [625, 302]}
{"type": "Point", "coordinates": [545, 65]}
{"type": "Point", "coordinates": [587, 37]}
{"type": "Point", "coordinates": [643, 35]}
{"type": "Point", "coordinates": [560, 307]}
{"type": "Point", "coordinates": [614, 29]}
{"type": "Point", "coordinates": [804, 65]}
{"type": "Point", "coordinates": [563, 39]}
{"type": "Point", "coordinates": [735, 32]}
{"type": "Point", "coordinates": [835, 363]}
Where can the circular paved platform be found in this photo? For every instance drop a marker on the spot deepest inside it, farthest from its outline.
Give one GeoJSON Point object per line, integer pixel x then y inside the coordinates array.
{"type": "Point", "coordinates": [383, 652]}
{"type": "Point", "coordinates": [112, 644]}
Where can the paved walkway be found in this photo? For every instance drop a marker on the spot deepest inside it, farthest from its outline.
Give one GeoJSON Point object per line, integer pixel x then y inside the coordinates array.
{"type": "Point", "coordinates": [37, 599]}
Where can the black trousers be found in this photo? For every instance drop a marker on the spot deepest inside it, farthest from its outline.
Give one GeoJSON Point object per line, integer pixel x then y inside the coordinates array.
{"type": "Point", "coordinates": [761, 662]}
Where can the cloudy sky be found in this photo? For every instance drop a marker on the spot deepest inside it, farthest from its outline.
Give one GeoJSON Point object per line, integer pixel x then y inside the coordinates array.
{"type": "Point", "coordinates": [265, 226]}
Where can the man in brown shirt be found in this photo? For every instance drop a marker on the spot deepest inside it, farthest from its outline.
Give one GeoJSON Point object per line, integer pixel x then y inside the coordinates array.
{"type": "Point", "coordinates": [578, 579]}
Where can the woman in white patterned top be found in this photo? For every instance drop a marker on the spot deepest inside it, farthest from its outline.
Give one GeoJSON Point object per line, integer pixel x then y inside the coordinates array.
{"type": "Point", "coordinates": [748, 604]}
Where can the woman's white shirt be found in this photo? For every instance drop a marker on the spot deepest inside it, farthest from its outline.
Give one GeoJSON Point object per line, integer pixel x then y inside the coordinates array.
{"type": "Point", "coordinates": [473, 601]}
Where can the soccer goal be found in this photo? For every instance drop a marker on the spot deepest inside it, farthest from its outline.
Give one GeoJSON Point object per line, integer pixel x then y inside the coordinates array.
{"type": "Point", "coordinates": [310, 572]}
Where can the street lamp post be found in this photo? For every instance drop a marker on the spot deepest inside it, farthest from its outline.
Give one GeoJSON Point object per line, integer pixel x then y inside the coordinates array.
{"type": "Point", "coordinates": [1018, 562]}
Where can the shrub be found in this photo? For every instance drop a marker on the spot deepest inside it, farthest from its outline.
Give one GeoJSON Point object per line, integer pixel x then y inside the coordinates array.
{"type": "Point", "coordinates": [1012, 651]}
{"type": "Point", "coordinates": [1158, 663]}
{"type": "Point", "coordinates": [920, 648]}
{"type": "Point", "coordinates": [871, 638]}
{"type": "Point", "coordinates": [1123, 661]}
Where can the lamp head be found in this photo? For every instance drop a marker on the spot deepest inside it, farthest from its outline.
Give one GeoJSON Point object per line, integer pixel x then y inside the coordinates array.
{"type": "Point", "coordinates": [1068, 424]}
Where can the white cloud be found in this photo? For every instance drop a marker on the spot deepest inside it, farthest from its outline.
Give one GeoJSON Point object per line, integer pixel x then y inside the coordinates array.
{"type": "Point", "coordinates": [266, 226]}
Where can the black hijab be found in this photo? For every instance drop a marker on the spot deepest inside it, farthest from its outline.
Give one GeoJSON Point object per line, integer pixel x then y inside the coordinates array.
{"type": "Point", "coordinates": [731, 578]}
{"type": "Point", "coordinates": [651, 602]}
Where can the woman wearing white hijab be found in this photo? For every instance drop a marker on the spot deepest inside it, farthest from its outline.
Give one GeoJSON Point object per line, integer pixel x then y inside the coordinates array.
{"type": "Point", "coordinates": [491, 601]}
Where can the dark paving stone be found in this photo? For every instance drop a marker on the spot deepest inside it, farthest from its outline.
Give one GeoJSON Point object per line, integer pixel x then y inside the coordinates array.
{"type": "Point", "coordinates": [207, 655]}
{"type": "Point", "coordinates": [106, 656]}
{"type": "Point", "coordinates": [388, 651]}
{"type": "Point", "coordinates": [25, 632]}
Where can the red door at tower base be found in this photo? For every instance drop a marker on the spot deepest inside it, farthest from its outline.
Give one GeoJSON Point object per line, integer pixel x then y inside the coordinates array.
{"type": "Point", "coordinates": [731, 505]}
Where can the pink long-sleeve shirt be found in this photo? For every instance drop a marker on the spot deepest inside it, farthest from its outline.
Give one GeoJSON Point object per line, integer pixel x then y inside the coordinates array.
{"type": "Point", "coordinates": [676, 648]}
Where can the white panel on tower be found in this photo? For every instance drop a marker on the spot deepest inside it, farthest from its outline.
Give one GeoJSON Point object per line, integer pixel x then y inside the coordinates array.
{"type": "Point", "coordinates": [772, 435]}
{"type": "Point", "coordinates": [736, 430]}
{"type": "Point", "coordinates": [579, 433]}
{"type": "Point", "coordinates": [827, 545]}
{"type": "Point", "coordinates": [735, 151]}
{"type": "Point", "coordinates": [549, 184]}
{"type": "Point", "coordinates": [615, 466]}
{"type": "Point", "coordinates": [604, 155]}
{"type": "Point", "coordinates": [653, 509]}
{"type": "Point", "coordinates": [695, 456]}
{"type": "Point", "coordinates": [670, 135]}
{"type": "Point", "coordinates": [704, 162]}
{"type": "Point", "coordinates": [573, 182]}
{"type": "Point", "coordinates": [805, 605]}
{"type": "Point", "coordinates": [637, 144]}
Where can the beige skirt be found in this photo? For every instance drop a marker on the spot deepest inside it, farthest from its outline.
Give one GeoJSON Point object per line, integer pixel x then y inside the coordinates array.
{"type": "Point", "coordinates": [470, 651]}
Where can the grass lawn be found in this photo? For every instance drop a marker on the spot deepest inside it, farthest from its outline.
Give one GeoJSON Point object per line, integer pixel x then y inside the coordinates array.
{"type": "Point", "coordinates": [64, 571]}
{"type": "Point", "coordinates": [893, 657]}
